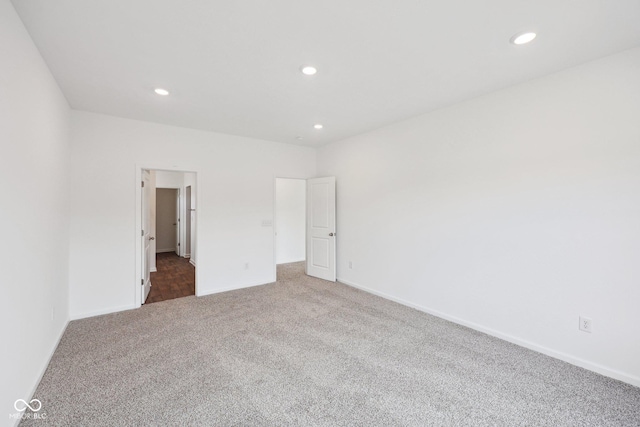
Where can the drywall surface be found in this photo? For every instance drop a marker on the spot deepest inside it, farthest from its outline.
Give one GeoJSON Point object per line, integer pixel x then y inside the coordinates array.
{"type": "Point", "coordinates": [235, 194]}
{"type": "Point", "coordinates": [34, 134]}
{"type": "Point", "coordinates": [290, 220]}
{"type": "Point", "coordinates": [514, 213]}
{"type": "Point", "coordinates": [167, 179]}
{"type": "Point", "coordinates": [166, 219]}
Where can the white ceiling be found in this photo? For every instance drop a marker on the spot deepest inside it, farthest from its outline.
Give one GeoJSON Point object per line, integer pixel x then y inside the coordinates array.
{"type": "Point", "coordinates": [233, 66]}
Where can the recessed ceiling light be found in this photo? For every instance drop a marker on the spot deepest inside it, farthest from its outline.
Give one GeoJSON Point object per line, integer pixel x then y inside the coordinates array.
{"type": "Point", "coordinates": [523, 38]}
{"type": "Point", "coordinates": [161, 91]}
{"type": "Point", "coordinates": [308, 70]}
{"type": "Point", "coordinates": [318, 126]}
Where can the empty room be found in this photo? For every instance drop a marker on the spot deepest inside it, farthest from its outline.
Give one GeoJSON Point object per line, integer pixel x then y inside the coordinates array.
{"type": "Point", "coordinates": [409, 213]}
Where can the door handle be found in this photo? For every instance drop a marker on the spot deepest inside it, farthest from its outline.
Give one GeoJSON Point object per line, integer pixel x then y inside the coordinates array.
{"type": "Point", "coordinates": [332, 234]}
{"type": "Point", "coordinates": [152, 238]}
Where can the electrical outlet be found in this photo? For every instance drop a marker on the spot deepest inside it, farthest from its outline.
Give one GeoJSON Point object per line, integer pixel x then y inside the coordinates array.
{"type": "Point", "coordinates": [246, 265]}
{"type": "Point", "coordinates": [351, 265]}
{"type": "Point", "coordinates": [585, 324]}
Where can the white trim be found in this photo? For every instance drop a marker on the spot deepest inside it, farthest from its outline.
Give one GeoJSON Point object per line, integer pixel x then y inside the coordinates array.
{"type": "Point", "coordinates": [187, 256]}
{"type": "Point", "coordinates": [103, 311]}
{"type": "Point", "coordinates": [591, 366]}
{"type": "Point", "coordinates": [290, 262]}
{"type": "Point", "coordinates": [44, 368]}
{"type": "Point", "coordinates": [233, 288]}
{"type": "Point", "coordinates": [162, 251]}
{"type": "Point", "coordinates": [274, 216]}
{"type": "Point", "coordinates": [153, 270]}
{"type": "Point", "coordinates": [192, 262]}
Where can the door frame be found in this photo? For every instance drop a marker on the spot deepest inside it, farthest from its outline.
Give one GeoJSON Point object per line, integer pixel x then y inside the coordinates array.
{"type": "Point", "coordinates": [275, 222]}
{"type": "Point", "coordinates": [179, 208]}
{"type": "Point", "coordinates": [139, 167]}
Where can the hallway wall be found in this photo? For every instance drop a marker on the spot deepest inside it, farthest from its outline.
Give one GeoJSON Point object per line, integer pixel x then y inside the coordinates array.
{"type": "Point", "coordinates": [235, 194]}
{"type": "Point", "coordinates": [34, 213]}
{"type": "Point", "coordinates": [166, 224]}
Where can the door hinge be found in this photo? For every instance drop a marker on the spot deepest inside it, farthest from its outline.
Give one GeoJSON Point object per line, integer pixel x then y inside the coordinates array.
{"type": "Point", "coordinates": [142, 234]}
{"type": "Point", "coordinates": [142, 182]}
{"type": "Point", "coordinates": [178, 244]}
{"type": "Point", "coordinates": [142, 282]}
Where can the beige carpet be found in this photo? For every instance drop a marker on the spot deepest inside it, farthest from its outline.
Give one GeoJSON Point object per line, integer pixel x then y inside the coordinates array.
{"type": "Point", "coordinates": [304, 352]}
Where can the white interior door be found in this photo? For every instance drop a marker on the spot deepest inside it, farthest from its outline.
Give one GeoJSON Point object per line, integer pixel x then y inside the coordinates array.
{"type": "Point", "coordinates": [321, 228]}
{"type": "Point", "coordinates": [187, 221]}
{"type": "Point", "coordinates": [146, 236]}
{"type": "Point", "coordinates": [177, 223]}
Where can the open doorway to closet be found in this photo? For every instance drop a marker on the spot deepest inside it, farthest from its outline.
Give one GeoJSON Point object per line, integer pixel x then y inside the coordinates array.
{"type": "Point", "coordinates": [305, 226]}
{"type": "Point", "coordinates": [167, 244]}
{"type": "Point", "coordinates": [290, 228]}
{"type": "Point", "coordinates": [290, 220]}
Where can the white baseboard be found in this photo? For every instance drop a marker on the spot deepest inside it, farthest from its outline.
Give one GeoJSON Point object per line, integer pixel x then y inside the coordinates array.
{"type": "Point", "coordinates": [101, 312]}
{"type": "Point", "coordinates": [192, 262]}
{"type": "Point", "coordinates": [44, 368]}
{"type": "Point", "coordinates": [591, 366]}
{"type": "Point", "coordinates": [187, 256]}
{"type": "Point", "coordinates": [290, 262]}
{"type": "Point", "coordinates": [231, 288]}
{"type": "Point", "coordinates": [161, 251]}
{"type": "Point", "coordinates": [153, 270]}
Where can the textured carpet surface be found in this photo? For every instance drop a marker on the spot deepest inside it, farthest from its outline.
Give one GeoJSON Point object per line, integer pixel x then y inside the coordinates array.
{"type": "Point", "coordinates": [304, 352]}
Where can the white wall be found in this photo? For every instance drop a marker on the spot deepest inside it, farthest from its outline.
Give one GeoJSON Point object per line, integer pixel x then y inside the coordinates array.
{"type": "Point", "coordinates": [235, 193]}
{"type": "Point", "coordinates": [513, 213]}
{"type": "Point", "coordinates": [166, 219]}
{"type": "Point", "coordinates": [168, 179]}
{"type": "Point", "coordinates": [33, 213]}
{"type": "Point", "coordinates": [290, 220]}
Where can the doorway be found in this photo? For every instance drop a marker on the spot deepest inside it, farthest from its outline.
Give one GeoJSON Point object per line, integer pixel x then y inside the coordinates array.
{"type": "Point", "coordinates": [290, 220]}
{"type": "Point", "coordinates": [170, 262]}
{"type": "Point", "coordinates": [167, 219]}
{"type": "Point", "coordinates": [305, 225]}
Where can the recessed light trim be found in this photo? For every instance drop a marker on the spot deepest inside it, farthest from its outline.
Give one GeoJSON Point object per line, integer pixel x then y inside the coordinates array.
{"type": "Point", "coordinates": [318, 126]}
{"type": "Point", "coordinates": [308, 70]}
{"type": "Point", "coordinates": [523, 38]}
{"type": "Point", "coordinates": [160, 91]}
